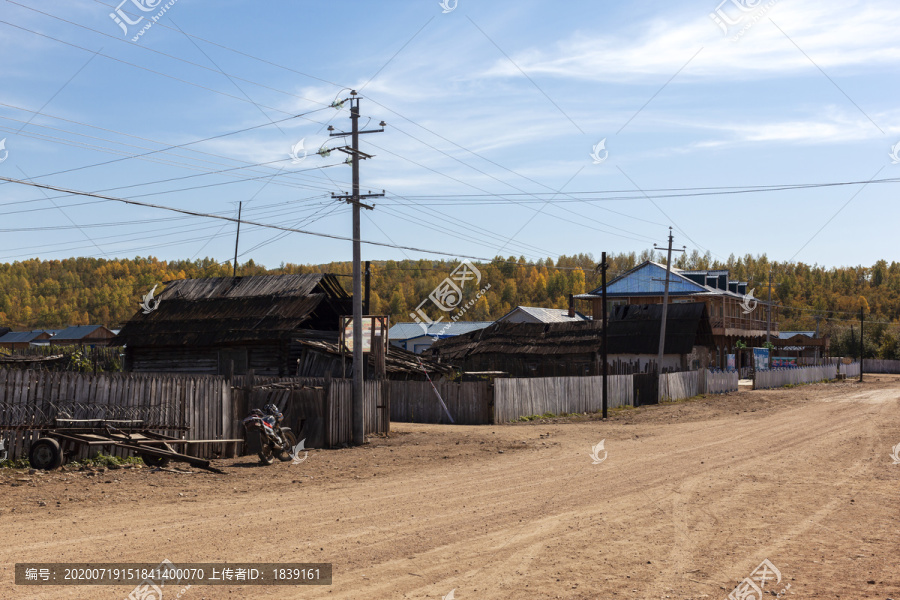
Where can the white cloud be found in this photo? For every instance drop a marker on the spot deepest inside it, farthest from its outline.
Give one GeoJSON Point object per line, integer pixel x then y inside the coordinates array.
{"type": "Point", "coordinates": [834, 34]}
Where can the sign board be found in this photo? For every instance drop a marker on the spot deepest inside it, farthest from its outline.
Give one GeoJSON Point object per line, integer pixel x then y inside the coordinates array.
{"type": "Point", "coordinates": [730, 362]}
{"type": "Point", "coordinates": [372, 326]}
{"type": "Point", "coordinates": [784, 361]}
{"type": "Point", "coordinates": [761, 359]}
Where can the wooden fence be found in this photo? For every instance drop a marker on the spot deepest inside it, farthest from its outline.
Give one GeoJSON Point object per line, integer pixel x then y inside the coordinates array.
{"type": "Point", "coordinates": [195, 407]}
{"type": "Point", "coordinates": [679, 386]}
{"type": "Point", "coordinates": [469, 403]}
{"type": "Point", "coordinates": [718, 382]}
{"type": "Point", "coordinates": [850, 371]}
{"type": "Point", "coordinates": [198, 407]}
{"type": "Point", "coordinates": [781, 377]}
{"type": "Point", "coordinates": [514, 398]}
{"type": "Point", "coordinates": [878, 365]}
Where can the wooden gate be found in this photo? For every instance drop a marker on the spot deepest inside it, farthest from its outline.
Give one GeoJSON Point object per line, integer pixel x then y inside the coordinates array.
{"type": "Point", "coordinates": [646, 388]}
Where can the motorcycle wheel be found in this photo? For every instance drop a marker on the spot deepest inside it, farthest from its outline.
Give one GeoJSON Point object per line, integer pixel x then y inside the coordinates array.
{"type": "Point", "coordinates": [291, 441]}
{"type": "Point", "coordinates": [266, 456]}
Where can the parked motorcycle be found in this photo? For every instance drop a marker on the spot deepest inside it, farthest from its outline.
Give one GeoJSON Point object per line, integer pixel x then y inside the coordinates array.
{"type": "Point", "coordinates": [274, 440]}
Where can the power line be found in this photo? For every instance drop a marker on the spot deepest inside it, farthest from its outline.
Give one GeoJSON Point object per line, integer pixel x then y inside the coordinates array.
{"type": "Point", "coordinates": [232, 219]}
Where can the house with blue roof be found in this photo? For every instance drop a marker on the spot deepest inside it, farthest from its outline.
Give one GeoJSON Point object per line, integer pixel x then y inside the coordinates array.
{"type": "Point", "coordinates": [84, 335]}
{"type": "Point", "coordinates": [735, 314]}
{"type": "Point", "coordinates": [418, 338]}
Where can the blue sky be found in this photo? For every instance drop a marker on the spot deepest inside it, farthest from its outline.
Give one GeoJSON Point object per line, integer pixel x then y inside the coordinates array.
{"type": "Point", "coordinates": [492, 110]}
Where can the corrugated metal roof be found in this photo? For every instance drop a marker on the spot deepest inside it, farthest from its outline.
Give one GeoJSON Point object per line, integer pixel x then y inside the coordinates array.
{"type": "Point", "coordinates": [648, 279]}
{"type": "Point", "coordinates": [545, 315]}
{"type": "Point", "coordinates": [408, 331]}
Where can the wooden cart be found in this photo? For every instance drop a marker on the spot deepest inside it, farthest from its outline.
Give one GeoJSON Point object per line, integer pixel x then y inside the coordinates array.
{"type": "Point", "coordinates": [66, 436]}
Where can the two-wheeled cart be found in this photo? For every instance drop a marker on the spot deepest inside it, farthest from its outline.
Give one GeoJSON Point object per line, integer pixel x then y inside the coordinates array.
{"type": "Point", "coordinates": [64, 437]}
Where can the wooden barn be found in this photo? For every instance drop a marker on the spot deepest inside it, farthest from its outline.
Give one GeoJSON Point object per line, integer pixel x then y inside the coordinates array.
{"type": "Point", "coordinates": [253, 323]}
{"type": "Point", "coordinates": [574, 349]}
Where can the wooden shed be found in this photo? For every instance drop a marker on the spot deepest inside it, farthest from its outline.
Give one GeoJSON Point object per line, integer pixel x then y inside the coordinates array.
{"type": "Point", "coordinates": [573, 349]}
{"type": "Point", "coordinates": [206, 325]}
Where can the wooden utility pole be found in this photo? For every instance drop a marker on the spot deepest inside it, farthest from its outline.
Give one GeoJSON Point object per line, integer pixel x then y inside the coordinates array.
{"type": "Point", "coordinates": [862, 344]}
{"type": "Point", "coordinates": [665, 306]}
{"type": "Point", "coordinates": [604, 347]}
{"type": "Point", "coordinates": [358, 428]}
{"type": "Point", "coordinates": [769, 312]}
{"type": "Point", "coordinates": [368, 284]}
{"type": "Point", "coordinates": [237, 239]}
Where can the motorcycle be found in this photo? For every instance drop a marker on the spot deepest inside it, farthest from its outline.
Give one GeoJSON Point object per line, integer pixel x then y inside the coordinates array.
{"type": "Point", "coordinates": [274, 440]}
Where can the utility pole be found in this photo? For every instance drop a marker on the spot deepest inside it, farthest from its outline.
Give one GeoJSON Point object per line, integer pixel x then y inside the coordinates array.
{"type": "Point", "coordinates": [665, 307]}
{"type": "Point", "coordinates": [237, 239]}
{"type": "Point", "coordinates": [769, 322]}
{"type": "Point", "coordinates": [358, 428]}
{"type": "Point", "coordinates": [862, 344]}
{"type": "Point", "coordinates": [604, 348]}
{"type": "Point", "coordinates": [368, 284]}
{"type": "Point", "coordinates": [817, 318]}
{"type": "Point", "coordinates": [769, 312]}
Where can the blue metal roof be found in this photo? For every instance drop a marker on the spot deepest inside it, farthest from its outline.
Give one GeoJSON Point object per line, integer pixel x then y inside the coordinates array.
{"type": "Point", "coordinates": [77, 332]}
{"type": "Point", "coordinates": [649, 279]}
{"type": "Point", "coordinates": [20, 337]}
{"type": "Point", "coordinates": [445, 328]}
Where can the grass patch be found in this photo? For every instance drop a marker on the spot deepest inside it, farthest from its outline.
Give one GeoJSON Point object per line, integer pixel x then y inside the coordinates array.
{"type": "Point", "coordinates": [19, 463]}
{"type": "Point", "coordinates": [105, 460]}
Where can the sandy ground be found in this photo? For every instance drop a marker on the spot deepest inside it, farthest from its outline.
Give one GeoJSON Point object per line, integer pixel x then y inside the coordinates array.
{"type": "Point", "coordinates": [691, 498]}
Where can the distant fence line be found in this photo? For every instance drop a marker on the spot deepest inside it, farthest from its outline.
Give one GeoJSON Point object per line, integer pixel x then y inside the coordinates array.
{"type": "Point", "coordinates": [792, 376]}
{"type": "Point", "coordinates": [880, 365]}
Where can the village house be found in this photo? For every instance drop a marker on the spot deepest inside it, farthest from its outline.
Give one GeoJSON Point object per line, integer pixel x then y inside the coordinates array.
{"type": "Point", "coordinates": [22, 340]}
{"type": "Point", "coordinates": [83, 335]}
{"type": "Point", "coordinates": [234, 324]}
{"type": "Point", "coordinates": [734, 315]}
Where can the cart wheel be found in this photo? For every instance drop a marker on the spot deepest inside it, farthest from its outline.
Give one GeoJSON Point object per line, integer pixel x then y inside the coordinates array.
{"type": "Point", "coordinates": [157, 461]}
{"type": "Point", "coordinates": [291, 440]}
{"type": "Point", "coordinates": [266, 456]}
{"type": "Point", "coordinates": [45, 454]}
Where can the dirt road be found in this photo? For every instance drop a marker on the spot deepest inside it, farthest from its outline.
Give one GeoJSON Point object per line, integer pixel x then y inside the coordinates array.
{"type": "Point", "coordinates": [689, 500]}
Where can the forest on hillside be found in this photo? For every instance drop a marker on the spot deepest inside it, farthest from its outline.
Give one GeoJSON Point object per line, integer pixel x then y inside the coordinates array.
{"type": "Point", "coordinates": [56, 293]}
